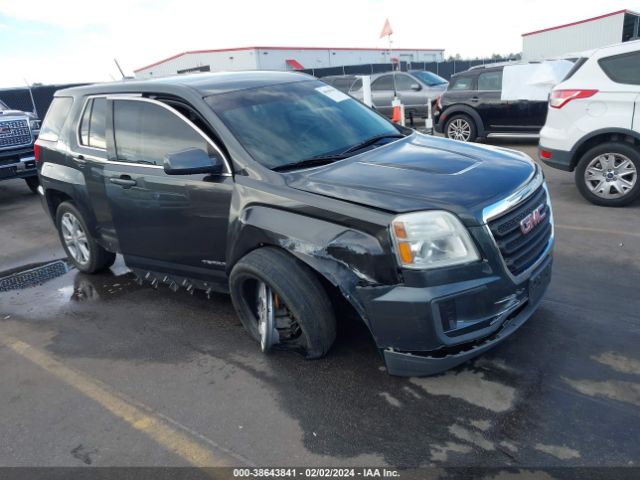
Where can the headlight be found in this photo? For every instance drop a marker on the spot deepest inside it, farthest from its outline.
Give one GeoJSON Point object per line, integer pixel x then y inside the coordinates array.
{"type": "Point", "coordinates": [431, 239]}
{"type": "Point", "coordinates": [34, 124]}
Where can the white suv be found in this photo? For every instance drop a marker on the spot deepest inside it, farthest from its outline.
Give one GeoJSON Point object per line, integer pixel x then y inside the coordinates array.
{"type": "Point", "coordinates": [593, 125]}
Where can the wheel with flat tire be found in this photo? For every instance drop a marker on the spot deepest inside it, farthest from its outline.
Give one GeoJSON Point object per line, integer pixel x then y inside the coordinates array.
{"type": "Point", "coordinates": [282, 304]}
{"type": "Point", "coordinates": [461, 127]}
{"type": "Point", "coordinates": [607, 174]}
{"type": "Point", "coordinates": [33, 183]}
{"type": "Point", "coordinates": [83, 251]}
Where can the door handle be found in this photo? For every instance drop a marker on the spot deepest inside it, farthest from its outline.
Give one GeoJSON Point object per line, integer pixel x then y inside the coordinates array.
{"type": "Point", "coordinates": [124, 181]}
{"type": "Point", "coordinates": [80, 160]}
{"type": "Point", "coordinates": [474, 99]}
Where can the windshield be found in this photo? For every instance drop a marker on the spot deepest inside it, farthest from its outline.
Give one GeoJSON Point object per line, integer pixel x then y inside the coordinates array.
{"type": "Point", "coordinates": [288, 123]}
{"type": "Point", "coordinates": [429, 78]}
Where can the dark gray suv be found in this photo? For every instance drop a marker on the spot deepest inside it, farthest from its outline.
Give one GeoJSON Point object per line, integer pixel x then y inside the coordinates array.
{"type": "Point", "coordinates": [296, 199]}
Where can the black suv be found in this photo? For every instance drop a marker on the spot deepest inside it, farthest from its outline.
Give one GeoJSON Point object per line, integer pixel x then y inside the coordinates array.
{"type": "Point", "coordinates": [472, 108]}
{"type": "Point", "coordinates": [295, 199]}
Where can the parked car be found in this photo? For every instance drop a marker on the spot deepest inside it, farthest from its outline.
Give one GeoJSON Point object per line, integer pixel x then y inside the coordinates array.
{"type": "Point", "coordinates": [593, 125]}
{"type": "Point", "coordinates": [472, 108]}
{"type": "Point", "coordinates": [18, 131]}
{"type": "Point", "coordinates": [414, 89]}
{"type": "Point", "coordinates": [296, 198]}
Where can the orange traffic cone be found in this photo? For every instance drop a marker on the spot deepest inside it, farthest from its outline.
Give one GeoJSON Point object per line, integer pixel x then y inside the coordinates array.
{"type": "Point", "coordinates": [397, 114]}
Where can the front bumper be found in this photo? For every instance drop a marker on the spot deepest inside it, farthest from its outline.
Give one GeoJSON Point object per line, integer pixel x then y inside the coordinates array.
{"type": "Point", "coordinates": [427, 330]}
{"type": "Point", "coordinates": [19, 163]}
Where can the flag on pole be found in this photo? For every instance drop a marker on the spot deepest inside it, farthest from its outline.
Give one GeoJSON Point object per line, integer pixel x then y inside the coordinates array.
{"type": "Point", "coordinates": [386, 30]}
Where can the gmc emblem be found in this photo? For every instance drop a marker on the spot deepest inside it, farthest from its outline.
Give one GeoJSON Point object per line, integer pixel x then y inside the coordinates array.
{"type": "Point", "coordinates": [533, 219]}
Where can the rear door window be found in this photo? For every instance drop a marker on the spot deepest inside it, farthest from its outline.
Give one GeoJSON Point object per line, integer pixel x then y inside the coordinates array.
{"type": "Point", "coordinates": [92, 125]}
{"type": "Point", "coordinates": [623, 68]}
{"type": "Point", "coordinates": [145, 133]}
{"type": "Point", "coordinates": [343, 83]}
{"type": "Point", "coordinates": [55, 118]}
{"type": "Point", "coordinates": [462, 83]}
{"type": "Point", "coordinates": [357, 85]}
{"type": "Point", "coordinates": [490, 81]}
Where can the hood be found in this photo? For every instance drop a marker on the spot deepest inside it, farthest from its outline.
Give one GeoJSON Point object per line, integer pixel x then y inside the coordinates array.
{"type": "Point", "coordinates": [15, 113]}
{"type": "Point", "coordinates": [421, 172]}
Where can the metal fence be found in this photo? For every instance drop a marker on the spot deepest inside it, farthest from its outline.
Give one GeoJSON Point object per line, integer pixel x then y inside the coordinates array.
{"type": "Point", "coordinates": [445, 69]}
{"type": "Point", "coordinates": [19, 98]}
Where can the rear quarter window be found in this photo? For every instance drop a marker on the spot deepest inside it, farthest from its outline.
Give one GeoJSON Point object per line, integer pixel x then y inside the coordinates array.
{"type": "Point", "coordinates": [55, 118]}
{"type": "Point", "coordinates": [624, 68]}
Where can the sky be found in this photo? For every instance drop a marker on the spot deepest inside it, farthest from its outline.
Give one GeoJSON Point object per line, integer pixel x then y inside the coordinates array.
{"type": "Point", "coordinates": [62, 41]}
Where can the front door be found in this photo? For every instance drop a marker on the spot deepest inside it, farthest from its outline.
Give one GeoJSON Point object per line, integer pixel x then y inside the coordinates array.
{"type": "Point", "coordinates": [411, 94]}
{"type": "Point", "coordinates": [168, 223]}
{"type": "Point", "coordinates": [382, 93]}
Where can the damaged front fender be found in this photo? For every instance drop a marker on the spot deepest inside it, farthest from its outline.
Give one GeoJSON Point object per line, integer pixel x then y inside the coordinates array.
{"type": "Point", "coordinates": [347, 258]}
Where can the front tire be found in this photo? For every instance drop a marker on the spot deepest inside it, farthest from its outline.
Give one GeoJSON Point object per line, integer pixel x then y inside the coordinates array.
{"type": "Point", "coordinates": [282, 304]}
{"type": "Point", "coordinates": [461, 127]}
{"type": "Point", "coordinates": [607, 175]}
{"type": "Point", "coordinates": [83, 251]}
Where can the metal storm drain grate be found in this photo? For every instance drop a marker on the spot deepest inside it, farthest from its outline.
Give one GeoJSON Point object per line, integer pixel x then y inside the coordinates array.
{"type": "Point", "coordinates": [33, 276]}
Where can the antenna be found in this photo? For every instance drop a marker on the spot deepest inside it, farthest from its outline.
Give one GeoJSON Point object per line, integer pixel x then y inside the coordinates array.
{"type": "Point", "coordinates": [33, 103]}
{"type": "Point", "coordinates": [118, 65]}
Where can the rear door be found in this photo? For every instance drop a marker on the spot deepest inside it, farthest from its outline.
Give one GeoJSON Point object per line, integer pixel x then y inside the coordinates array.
{"type": "Point", "coordinates": [167, 223]}
{"type": "Point", "coordinates": [494, 112]}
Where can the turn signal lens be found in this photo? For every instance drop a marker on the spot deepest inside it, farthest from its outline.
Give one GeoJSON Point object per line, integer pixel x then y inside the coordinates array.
{"type": "Point", "coordinates": [404, 249]}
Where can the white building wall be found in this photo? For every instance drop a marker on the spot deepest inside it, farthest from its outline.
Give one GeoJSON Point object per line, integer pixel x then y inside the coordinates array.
{"type": "Point", "coordinates": [217, 61]}
{"type": "Point", "coordinates": [573, 38]}
{"type": "Point", "coordinates": [275, 59]}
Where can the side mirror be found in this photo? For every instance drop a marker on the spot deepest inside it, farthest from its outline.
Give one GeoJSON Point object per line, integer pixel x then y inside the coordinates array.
{"type": "Point", "coordinates": [415, 87]}
{"type": "Point", "coordinates": [192, 161]}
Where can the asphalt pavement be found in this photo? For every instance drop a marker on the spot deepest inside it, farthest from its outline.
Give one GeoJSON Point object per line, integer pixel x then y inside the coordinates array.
{"type": "Point", "coordinates": [99, 370]}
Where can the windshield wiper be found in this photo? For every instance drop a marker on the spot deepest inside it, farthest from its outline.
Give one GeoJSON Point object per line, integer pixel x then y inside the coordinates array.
{"type": "Point", "coordinates": [371, 141]}
{"type": "Point", "coordinates": [309, 162]}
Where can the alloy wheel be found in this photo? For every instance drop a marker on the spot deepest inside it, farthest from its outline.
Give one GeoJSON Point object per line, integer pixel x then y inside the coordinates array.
{"type": "Point", "coordinates": [459, 129]}
{"type": "Point", "coordinates": [75, 238]}
{"type": "Point", "coordinates": [610, 175]}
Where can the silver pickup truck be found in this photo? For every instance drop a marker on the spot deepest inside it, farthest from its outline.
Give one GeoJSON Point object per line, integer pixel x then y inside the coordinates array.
{"type": "Point", "coordinates": [18, 132]}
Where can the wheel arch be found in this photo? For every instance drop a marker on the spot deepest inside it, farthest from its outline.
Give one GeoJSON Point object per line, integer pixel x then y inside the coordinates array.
{"type": "Point", "coordinates": [343, 258]}
{"type": "Point", "coordinates": [597, 137]}
{"type": "Point", "coordinates": [463, 109]}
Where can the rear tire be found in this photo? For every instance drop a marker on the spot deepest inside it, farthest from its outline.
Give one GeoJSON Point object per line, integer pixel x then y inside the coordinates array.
{"type": "Point", "coordinates": [304, 317]}
{"type": "Point", "coordinates": [461, 127]}
{"type": "Point", "coordinates": [33, 183]}
{"type": "Point", "coordinates": [607, 174]}
{"type": "Point", "coordinates": [83, 251]}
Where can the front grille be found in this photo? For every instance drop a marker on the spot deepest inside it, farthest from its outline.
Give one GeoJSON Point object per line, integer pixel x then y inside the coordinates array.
{"type": "Point", "coordinates": [519, 250]}
{"type": "Point", "coordinates": [14, 133]}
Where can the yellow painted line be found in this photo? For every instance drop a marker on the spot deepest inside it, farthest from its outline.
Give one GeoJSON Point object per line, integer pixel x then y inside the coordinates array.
{"type": "Point", "coordinates": [159, 428]}
{"type": "Point", "coordinates": [596, 230]}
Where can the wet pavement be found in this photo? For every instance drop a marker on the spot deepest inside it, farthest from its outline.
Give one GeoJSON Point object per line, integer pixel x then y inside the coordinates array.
{"type": "Point", "coordinates": [563, 391]}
